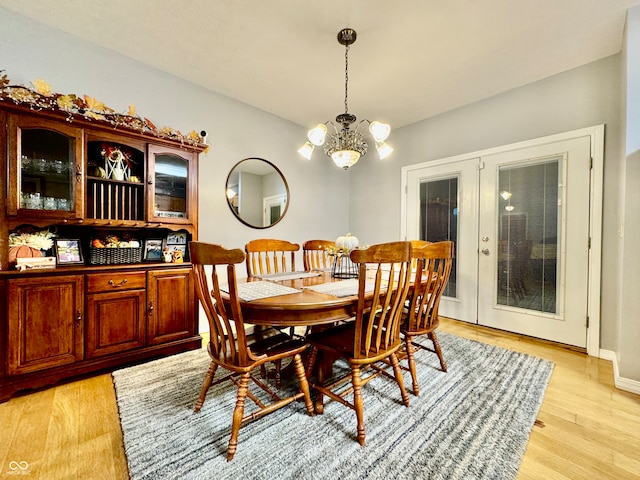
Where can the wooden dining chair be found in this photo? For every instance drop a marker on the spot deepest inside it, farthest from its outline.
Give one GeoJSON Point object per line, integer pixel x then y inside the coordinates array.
{"type": "Point", "coordinates": [314, 254]}
{"type": "Point", "coordinates": [265, 256]}
{"type": "Point", "coordinates": [268, 255]}
{"type": "Point", "coordinates": [417, 244]}
{"type": "Point", "coordinates": [434, 262]}
{"type": "Point", "coordinates": [236, 348]}
{"type": "Point", "coordinates": [374, 335]}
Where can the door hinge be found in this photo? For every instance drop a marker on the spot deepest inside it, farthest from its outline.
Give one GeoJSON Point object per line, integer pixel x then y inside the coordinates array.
{"type": "Point", "coordinates": [587, 321]}
{"type": "Point", "coordinates": [591, 163]}
{"type": "Point", "coordinates": [589, 244]}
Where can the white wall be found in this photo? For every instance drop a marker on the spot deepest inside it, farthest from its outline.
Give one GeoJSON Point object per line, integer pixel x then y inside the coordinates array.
{"type": "Point", "coordinates": [583, 97]}
{"type": "Point", "coordinates": [319, 191]}
{"type": "Point", "coordinates": [630, 300]}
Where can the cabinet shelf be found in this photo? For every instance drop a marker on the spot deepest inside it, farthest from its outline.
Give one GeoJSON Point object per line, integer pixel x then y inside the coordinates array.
{"type": "Point", "coordinates": [111, 180]}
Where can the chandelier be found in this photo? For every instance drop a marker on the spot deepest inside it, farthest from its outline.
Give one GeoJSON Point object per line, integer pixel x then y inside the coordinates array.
{"type": "Point", "coordinates": [345, 145]}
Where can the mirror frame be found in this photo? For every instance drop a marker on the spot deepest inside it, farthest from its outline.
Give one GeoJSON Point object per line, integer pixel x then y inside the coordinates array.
{"type": "Point", "coordinates": [284, 181]}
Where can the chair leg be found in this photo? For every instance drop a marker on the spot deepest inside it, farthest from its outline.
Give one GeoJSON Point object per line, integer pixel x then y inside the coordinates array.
{"type": "Point", "coordinates": [311, 360]}
{"type": "Point", "coordinates": [208, 378]}
{"type": "Point", "coordinates": [436, 347]}
{"type": "Point", "coordinates": [358, 402]}
{"type": "Point", "coordinates": [320, 378]}
{"type": "Point", "coordinates": [278, 368]}
{"type": "Point", "coordinates": [412, 364]}
{"type": "Point", "coordinates": [304, 384]}
{"type": "Point", "coordinates": [399, 378]}
{"type": "Point", "coordinates": [238, 413]}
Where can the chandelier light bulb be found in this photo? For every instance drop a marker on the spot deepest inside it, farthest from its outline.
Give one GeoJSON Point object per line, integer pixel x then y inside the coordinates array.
{"type": "Point", "coordinates": [380, 131]}
{"type": "Point", "coordinates": [384, 150]}
{"type": "Point", "coordinates": [345, 158]}
{"type": "Point", "coordinates": [509, 208]}
{"type": "Point", "coordinates": [317, 135]}
{"type": "Point", "coordinates": [505, 195]}
{"type": "Point", "coordinates": [306, 150]}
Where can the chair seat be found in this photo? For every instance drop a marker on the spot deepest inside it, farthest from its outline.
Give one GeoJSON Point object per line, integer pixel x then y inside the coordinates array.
{"type": "Point", "coordinates": [341, 339]}
{"type": "Point", "coordinates": [271, 341]}
{"type": "Point", "coordinates": [406, 329]}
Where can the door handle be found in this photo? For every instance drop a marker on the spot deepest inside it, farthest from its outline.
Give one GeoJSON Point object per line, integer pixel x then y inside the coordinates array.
{"type": "Point", "coordinates": [485, 251]}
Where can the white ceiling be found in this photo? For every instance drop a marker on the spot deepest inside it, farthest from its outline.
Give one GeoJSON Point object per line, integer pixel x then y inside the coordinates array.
{"type": "Point", "coordinates": [413, 58]}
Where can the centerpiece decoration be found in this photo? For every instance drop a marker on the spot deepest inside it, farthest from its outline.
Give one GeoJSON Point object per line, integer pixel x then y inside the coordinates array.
{"type": "Point", "coordinates": [29, 244]}
{"type": "Point", "coordinates": [341, 264]}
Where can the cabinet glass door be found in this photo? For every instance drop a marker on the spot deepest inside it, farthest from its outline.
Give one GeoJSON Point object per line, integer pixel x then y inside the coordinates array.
{"type": "Point", "coordinates": [44, 177]}
{"type": "Point", "coordinates": [171, 179]}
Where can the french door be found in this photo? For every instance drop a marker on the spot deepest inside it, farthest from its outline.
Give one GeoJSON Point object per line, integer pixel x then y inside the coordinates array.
{"type": "Point", "coordinates": [520, 218]}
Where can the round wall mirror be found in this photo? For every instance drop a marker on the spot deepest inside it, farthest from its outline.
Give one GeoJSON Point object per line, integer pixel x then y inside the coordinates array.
{"type": "Point", "coordinates": [257, 193]}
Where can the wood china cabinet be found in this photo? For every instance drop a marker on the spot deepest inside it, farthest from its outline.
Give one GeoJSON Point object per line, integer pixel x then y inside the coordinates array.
{"type": "Point", "coordinates": [100, 313]}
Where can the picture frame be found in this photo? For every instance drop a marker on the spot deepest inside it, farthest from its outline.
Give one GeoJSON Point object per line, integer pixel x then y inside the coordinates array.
{"type": "Point", "coordinates": [181, 248]}
{"type": "Point", "coordinates": [176, 238]}
{"type": "Point", "coordinates": [153, 249]}
{"type": "Point", "coordinates": [68, 251]}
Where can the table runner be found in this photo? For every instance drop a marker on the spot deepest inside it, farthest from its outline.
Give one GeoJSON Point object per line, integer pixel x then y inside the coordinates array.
{"type": "Point", "coordinates": [257, 290]}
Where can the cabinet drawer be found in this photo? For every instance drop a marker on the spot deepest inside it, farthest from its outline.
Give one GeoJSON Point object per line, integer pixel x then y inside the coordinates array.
{"type": "Point", "coordinates": [114, 281]}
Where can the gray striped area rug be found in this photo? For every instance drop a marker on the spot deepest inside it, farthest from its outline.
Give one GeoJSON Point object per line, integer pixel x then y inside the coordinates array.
{"type": "Point", "coordinates": [470, 423]}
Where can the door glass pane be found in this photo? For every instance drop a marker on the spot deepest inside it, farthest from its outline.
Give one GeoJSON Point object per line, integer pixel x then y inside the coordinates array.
{"type": "Point", "coordinates": [274, 211]}
{"type": "Point", "coordinates": [46, 170]}
{"type": "Point", "coordinates": [439, 218]}
{"type": "Point", "coordinates": [170, 186]}
{"type": "Point", "coordinates": [528, 247]}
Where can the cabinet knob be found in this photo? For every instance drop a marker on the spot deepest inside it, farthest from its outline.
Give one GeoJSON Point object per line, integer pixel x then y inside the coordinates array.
{"type": "Point", "coordinates": [150, 308]}
{"type": "Point", "coordinates": [78, 317]}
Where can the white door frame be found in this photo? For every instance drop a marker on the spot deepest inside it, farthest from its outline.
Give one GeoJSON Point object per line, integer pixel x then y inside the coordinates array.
{"type": "Point", "coordinates": [272, 201]}
{"type": "Point", "coordinates": [596, 134]}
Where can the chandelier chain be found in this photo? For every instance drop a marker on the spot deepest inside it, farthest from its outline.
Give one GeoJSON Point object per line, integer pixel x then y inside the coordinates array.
{"type": "Point", "coordinates": [346, 77]}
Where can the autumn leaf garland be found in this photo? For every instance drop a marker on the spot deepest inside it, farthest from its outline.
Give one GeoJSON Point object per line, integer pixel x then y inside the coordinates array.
{"type": "Point", "coordinates": [41, 96]}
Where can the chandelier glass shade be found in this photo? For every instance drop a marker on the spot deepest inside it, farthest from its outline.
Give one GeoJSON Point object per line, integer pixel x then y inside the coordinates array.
{"type": "Point", "coordinates": [345, 144]}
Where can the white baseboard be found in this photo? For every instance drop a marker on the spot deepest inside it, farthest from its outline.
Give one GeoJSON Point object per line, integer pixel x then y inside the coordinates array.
{"type": "Point", "coordinates": [626, 384]}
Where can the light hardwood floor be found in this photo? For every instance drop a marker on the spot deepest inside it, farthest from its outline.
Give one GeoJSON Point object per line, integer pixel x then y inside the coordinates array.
{"type": "Point", "coordinates": [587, 429]}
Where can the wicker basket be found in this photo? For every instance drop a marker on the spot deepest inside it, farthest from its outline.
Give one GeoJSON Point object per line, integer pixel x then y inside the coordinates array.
{"type": "Point", "coordinates": [114, 256]}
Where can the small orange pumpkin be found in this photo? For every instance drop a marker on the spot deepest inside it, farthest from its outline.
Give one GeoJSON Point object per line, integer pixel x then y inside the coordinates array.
{"type": "Point", "coordinates": [23, 251]}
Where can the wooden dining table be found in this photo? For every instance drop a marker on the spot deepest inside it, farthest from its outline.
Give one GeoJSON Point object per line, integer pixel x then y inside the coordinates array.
{"type": "Point", "coordinates": [303, 308]}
